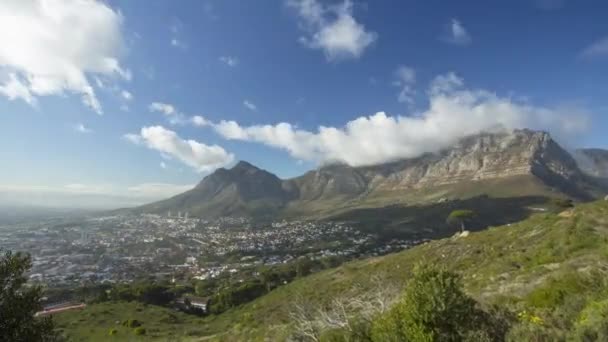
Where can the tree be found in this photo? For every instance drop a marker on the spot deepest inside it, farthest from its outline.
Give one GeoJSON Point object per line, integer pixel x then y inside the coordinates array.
{"type": "Point", "coordinates": [19, 303]}
{"type": "Point", "coordinates": [435, 308]}
{"type": "Point", "coordinates": [460, 217]}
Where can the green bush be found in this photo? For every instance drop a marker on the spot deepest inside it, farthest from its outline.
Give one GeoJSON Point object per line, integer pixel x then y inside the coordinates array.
{"type": "Point", "coordinates": [113, 332]}
{"type": "Point", "coordinates": [435, 308]}
{"type": "Point", "coordinates": [139, 331]}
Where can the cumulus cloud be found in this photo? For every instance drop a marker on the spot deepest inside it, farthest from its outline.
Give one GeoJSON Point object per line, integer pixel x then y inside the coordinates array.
{"type": "Point", "coordinates": [456, 34]}
{"type": "Point", "coordinates": [405, 78]}
{"type": "Point", "coordinates": [80, 128]}
{"type": "Point", "coordinates": [597, 49]}
{"type": "Point", "coordinates": [454, 112]}
{"type": "Point", "coordinates": [229, 61]}
{"type": "Point", "coordinates": [332, 29]}
{"type": "Point", "coordinates": [51, 47]}
{"type": "Point", "coordinates": [250, 105]}
{"type": "Point", "coordinates": [201, 157]}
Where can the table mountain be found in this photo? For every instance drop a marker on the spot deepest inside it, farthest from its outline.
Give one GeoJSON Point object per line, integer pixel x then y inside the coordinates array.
{"type": "Point", "coordinates": [516, 163]}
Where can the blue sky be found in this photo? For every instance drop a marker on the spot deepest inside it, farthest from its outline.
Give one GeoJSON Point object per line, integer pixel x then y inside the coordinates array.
{"type": "Point", "coordinates": [99, 98]}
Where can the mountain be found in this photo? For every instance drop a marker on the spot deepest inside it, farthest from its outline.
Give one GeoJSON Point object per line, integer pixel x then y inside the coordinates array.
{"type": "Point", "coordinates": [240, 191]}
{"type": "Point", "coordinates": [504, 164]}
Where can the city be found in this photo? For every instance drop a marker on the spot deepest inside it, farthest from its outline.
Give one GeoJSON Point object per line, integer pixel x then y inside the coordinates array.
{"type": "Point", "coordinates": [121, 249]}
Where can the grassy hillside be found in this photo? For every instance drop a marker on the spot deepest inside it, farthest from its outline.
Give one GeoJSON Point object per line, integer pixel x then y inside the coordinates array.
{"type": "Point", "coordinates": [553, 265]}
{"type": "Point", "coordinates": [95, 322]}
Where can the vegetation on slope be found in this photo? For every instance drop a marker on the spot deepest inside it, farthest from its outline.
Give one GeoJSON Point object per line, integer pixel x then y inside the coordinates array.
{"type": "Point", "coordinates": [550, 269]}
{"type": "Point", "coordinates": [547, 273]}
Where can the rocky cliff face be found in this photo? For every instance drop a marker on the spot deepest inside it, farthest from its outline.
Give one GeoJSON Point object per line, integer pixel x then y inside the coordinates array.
{"type": "Point", "coordinates": [476, 158]}
{"type": "Point", "coordinates": [477, 162]}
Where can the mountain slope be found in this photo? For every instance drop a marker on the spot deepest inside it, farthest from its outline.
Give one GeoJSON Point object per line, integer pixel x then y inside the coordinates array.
{"type": "Point", "coordinates": [505, 164]}
{"type": "Point", "coordinates": [243, 190]}
{"type": "Point", "coordinates": [541, 265]}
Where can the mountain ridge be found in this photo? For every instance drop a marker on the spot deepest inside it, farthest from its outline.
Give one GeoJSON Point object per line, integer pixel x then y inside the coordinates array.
{"type": "Point", "coordinates": [502, 163]}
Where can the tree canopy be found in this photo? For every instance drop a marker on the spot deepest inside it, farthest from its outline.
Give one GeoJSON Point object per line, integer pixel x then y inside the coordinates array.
{"type": "Point", "coordinates": [460, 217]}
{"type": "Point", "coordinates": [19, 303]}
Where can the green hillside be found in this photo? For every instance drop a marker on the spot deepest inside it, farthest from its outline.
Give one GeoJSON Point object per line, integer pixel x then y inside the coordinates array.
{"type": "Point", "coordinates": [551, 265]}
{"type": "Point", "coordinates": [540, 264]}
{"type": "Point", "coordinates": [96, 323]}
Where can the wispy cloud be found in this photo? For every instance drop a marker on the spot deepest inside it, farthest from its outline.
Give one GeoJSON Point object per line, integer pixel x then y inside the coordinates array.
{"type": "Point", "coordinates": [332, 29]}
{"type": "Point", "coordinates": [176, 27]}
{"type": "Point", "coordinates": [456, 34]}
{"type": "Point", "coordinates": [250, 105]}
{"type": "Point", "coordinates": [80, 128]}
{"type": "Point", "coordinates": [597, 49]}
{"type": "Point", "coordinates": [126, 95]}
{"type": "Point", "coordinates": [405, 78]}
{"type": "Point", "coordinates": [229, 60]}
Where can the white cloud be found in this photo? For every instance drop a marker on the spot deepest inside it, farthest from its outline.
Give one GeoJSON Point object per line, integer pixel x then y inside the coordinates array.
{"type": "Point", "coordinates": [126, 95]}
{"type": "Point", "coordinates": [332, 29]}
{"type": "Point", "coordinates": [51, 47]}
{"type": "Point", "coordinates": [250, 105]}
{"type": "Point", "coordinates": [199, 121]}
{"type": "Point", "coordinates": [173, 115]}
{"type": "Point", "coordinates": [597, 49]}
{"type": "Point", "coordinates": [405, 78]}
{"type": "Point", "coordinates": [165, 108]}
{"type": "Point", "coordinates": [201, 157]}
{"type": "Point", "coordinates": [454, 112]}
{"type": "Point", "coordinates": [456, 34]}
{"type": "Point", "coordinates": [229, 61]}
{"type": "Point", "coordinates": [163, 165]}
{"type": "Point", "coordinates": [82, 129]}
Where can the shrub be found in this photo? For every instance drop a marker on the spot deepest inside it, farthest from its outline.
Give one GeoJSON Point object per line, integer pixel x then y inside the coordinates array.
{"type": "Point", "coordinates": [435, 308]}
{"type": "Point", "coordinates": [113, 332]}
{"type": "Point", "coordinates": [139, 331]}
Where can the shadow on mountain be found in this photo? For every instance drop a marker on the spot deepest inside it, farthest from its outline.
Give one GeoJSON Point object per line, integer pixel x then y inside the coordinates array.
{"type": "Point", "coordinates": [429, 221]}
